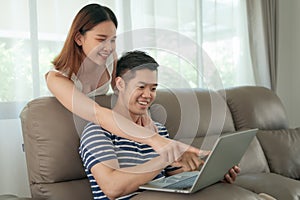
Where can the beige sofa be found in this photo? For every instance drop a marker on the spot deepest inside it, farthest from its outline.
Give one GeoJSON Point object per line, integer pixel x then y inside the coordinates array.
{"type": "Point", "coordinates": [271, 164]}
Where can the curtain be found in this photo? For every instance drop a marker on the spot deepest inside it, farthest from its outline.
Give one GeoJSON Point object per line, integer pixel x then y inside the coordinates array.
{"type": "Point", "coordinates": [263, 29]}
{"type": "Point", "coordinates": [199, 43]}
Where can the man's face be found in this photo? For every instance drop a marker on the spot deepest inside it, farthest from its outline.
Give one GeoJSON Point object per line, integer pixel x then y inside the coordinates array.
{"type": "Point", "coordinates": [140, 91]}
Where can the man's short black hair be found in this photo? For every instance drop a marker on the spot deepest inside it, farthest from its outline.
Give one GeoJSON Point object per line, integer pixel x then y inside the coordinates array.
{"type": "Point", "coordinates": [133, 61]}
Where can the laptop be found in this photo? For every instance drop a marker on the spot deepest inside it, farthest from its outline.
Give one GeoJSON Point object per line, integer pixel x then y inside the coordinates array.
{"type": "Point", "coordinates": [227, 152]}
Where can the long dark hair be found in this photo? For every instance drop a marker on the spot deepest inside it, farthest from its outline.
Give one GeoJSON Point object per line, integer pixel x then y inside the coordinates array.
{"type": "Point", "coordinates": [71, 55]}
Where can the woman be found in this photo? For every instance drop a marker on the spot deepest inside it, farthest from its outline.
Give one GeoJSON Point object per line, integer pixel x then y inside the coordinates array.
{"type": "Point", "coordinates": [85, 67]}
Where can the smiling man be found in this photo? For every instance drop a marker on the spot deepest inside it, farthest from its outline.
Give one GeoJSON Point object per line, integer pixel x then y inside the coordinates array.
{"type": "Point", "coordinates": [116, 166]}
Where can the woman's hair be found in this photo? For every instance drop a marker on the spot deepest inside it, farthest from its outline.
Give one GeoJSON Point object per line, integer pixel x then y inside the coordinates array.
{"type": "Point", "coordinates": [72, 55]}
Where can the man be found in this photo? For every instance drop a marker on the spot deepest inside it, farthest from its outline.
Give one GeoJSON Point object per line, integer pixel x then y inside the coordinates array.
{"type": "Point", "coordinates": [116, 166]}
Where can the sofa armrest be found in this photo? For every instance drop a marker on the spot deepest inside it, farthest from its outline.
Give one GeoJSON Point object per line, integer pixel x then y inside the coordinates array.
{"type": "Point", "coordinates": [282, 150]}
{"type": "Point", "coordinates": [275, 185]}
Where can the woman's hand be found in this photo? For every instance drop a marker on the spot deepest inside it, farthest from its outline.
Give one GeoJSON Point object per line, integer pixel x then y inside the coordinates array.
{"type": "Point", "coordinates": [188, 162]}
{"type": "Point", "coordinates": [173, 150]}
{"type": "Point", "coordinates": [147, 122]}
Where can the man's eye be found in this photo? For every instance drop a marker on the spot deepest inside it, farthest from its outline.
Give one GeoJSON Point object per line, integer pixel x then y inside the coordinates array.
{"type": "Point", "coordinates": [153, 89]}
{"type": "Point", "coordinates": [141, 87]}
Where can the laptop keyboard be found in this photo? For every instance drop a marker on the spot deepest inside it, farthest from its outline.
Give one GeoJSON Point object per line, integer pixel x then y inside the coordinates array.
{"type": "Point", "coordinates": [187, 183]}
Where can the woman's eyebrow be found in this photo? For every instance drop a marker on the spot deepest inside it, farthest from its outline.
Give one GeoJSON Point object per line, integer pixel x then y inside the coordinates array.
{"type": "Point", "coordinates": [102, 35]}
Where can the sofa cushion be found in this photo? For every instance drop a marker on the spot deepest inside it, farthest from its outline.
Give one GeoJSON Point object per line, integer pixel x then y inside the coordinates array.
{"type": "Point", "coordinates": [280, 187]}
{"type": "Point", "coordinates": [213, 192]}
{"type": "Point", "coordinates": [254, 160]}
{"type": "Point", "coordinates": [282, 150]}
{"type": "Point", "coordinates": [67, 190]}
{"type": "Point", "coordinates": [256, 107]}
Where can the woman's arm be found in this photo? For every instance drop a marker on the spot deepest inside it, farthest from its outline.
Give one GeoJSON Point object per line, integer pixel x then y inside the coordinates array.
{"type": "Point", "coordinates": [67, 94]}
{"type": "Point", "coordinates": [78, 103]}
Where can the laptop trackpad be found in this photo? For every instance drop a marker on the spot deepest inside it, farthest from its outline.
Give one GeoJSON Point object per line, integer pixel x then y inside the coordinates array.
{"type": "Point", "coordinates": [178, 181]}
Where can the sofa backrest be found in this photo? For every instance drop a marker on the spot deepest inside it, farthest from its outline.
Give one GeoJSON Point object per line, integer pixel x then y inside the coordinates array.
{"type": "Point", "coordinates": [256, 107]}
{"type": "Point", "coordinates": [192, 113]}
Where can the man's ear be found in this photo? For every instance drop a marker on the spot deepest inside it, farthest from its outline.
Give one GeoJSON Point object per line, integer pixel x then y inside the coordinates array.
{"type": "Point", "coordinates": [78, 39]}
{"type": "Point", "coordinates": [120, 83]}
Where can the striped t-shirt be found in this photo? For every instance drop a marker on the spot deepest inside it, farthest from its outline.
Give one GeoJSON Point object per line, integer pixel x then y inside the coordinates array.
{"type": "Point", "coordinates": [98, 145]}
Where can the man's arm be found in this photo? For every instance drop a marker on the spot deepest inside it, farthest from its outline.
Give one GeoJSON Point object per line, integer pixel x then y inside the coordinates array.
{"type": "Point", "coordinates": [116, 182]}
{"type": "Point", "coordinates": [99, 156]}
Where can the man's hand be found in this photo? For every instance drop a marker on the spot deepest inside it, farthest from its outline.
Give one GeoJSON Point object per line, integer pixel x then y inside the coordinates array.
{"type": "Point", "coordinates": [232, 174]}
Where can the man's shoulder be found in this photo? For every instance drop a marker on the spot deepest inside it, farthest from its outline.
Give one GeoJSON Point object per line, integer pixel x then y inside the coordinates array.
{"type": "Point", "coordinates": [162, 130]}
{"type": "Point", "coordinates": [159, 125]}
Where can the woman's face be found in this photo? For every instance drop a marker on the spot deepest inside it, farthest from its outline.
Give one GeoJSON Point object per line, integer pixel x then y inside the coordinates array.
{"type": "Point", "coordinates": [99, 42]}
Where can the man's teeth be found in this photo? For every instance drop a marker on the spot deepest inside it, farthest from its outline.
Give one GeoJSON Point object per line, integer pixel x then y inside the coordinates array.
{"type": "Point", "coordinates": [143, 102]}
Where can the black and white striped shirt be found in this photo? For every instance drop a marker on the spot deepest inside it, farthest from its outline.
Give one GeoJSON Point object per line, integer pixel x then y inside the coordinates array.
{"type": "Point", "coordinates": [98, 145]}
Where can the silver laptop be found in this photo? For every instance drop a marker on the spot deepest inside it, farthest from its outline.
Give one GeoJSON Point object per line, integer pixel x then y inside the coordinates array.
{"type": "Point", "coordinates": [226, 153]}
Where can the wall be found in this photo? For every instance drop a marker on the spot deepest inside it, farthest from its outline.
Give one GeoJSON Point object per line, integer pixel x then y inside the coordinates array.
{"type": "Point", "coordinates": [289, 59]}
{"type": "Point", "coordinates": [13, 171]}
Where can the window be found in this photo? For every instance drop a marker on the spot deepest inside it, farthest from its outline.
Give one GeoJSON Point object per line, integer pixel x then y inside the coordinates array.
{"type": "Point", "coordinates": [35, 32]}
